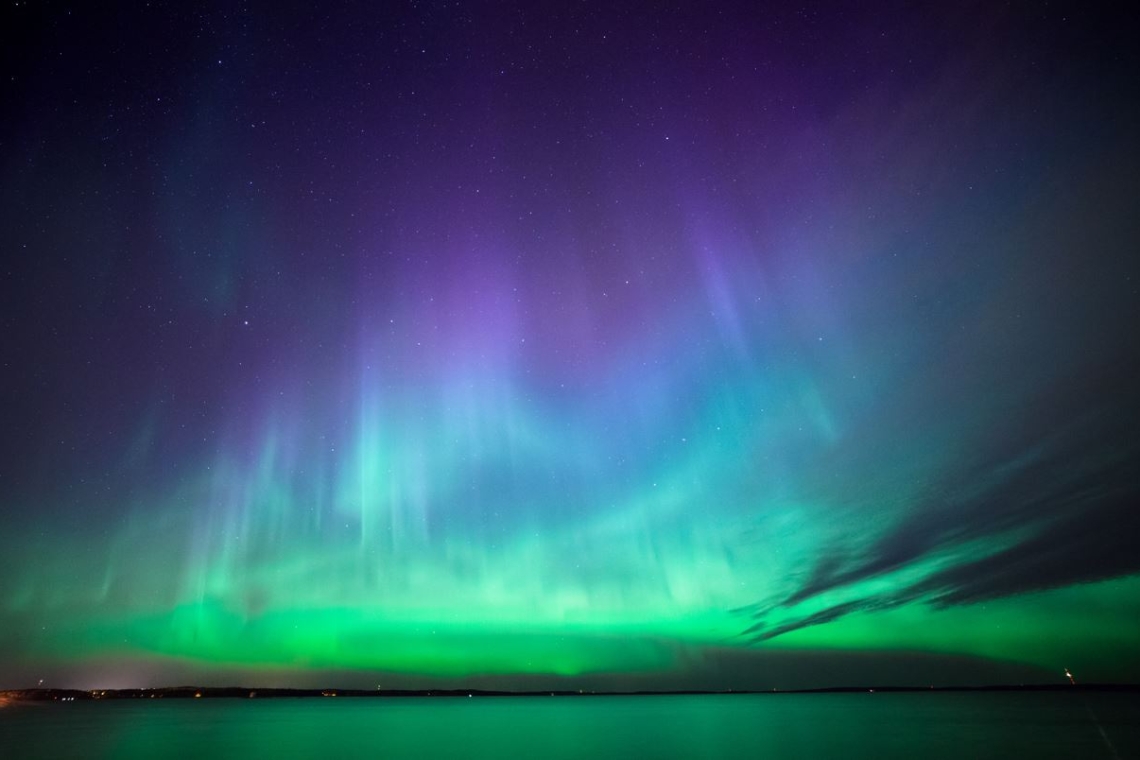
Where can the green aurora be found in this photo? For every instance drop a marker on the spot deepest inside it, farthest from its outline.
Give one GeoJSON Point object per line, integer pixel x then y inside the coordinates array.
{"type": "Point", "coordinates": [676, 364]}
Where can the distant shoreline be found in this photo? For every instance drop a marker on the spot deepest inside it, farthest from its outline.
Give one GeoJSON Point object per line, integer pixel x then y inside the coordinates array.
{"type": "Point", "coordinates": [242, 692]}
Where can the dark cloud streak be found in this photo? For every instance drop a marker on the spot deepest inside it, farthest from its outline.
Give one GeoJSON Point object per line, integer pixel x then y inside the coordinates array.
{"type": "Point", "coordinates": [1063, 476]}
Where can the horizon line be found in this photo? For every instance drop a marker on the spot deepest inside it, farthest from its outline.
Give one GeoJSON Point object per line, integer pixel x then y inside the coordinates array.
{"type": "Point", "coordinates": [40, 693]}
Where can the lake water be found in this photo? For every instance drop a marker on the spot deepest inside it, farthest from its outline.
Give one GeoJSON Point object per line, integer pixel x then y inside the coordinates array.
{"type": "Point", "coordinates": [848, 726]}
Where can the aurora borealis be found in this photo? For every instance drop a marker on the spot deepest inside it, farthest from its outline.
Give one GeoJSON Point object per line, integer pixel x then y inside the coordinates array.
{"type": "Point", "coordinates": [589, 345]}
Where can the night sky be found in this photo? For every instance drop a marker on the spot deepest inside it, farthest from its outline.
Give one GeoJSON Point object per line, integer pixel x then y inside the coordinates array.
{"type": "Point", "coordinates": [579, 345]}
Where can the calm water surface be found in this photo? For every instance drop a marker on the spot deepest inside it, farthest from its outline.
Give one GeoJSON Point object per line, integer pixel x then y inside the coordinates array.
{"type": "Point", "coordinates": [850, 726]}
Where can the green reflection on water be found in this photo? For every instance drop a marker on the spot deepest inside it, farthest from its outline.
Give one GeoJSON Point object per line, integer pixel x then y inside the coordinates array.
{"type": "Point", "coordinates": [938, 725]}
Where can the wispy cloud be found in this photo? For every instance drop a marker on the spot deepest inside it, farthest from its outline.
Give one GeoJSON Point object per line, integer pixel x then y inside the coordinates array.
{"type": "Point", "coordinates": [1047, 498]}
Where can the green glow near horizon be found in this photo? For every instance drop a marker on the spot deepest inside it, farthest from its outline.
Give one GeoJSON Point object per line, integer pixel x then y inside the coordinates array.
{"type": "Point", "coordinates": [350, 559]}
{"type": "Point", "coordinates": [347, 561]}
